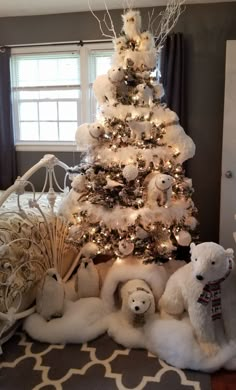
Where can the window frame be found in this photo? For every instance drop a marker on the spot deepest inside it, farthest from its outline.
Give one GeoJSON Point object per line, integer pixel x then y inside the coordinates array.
{"type": "Point", "coordinates": [85, 114]}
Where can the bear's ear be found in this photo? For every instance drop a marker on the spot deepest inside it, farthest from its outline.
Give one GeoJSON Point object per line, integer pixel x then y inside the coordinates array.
{"type": "Point", "coordinates": [192, 246]}
{"type": "Point", "coordinates": [229, 252]}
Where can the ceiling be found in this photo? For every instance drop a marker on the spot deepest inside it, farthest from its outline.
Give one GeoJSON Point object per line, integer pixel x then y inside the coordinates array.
{"type": "Point", "coordinates": [43, 7]}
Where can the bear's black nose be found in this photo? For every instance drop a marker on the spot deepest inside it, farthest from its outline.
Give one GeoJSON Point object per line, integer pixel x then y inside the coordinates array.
{"type": "Point", "coordinates": [199, 277]}
{"type": "Point", "coordinates": [136, 308]}
{"type": "Point", "coordinates": [163, 181]}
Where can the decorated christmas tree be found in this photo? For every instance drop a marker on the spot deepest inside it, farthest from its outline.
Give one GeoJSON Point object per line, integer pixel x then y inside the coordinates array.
{"type": "Point", "coordinates": [130, 195]}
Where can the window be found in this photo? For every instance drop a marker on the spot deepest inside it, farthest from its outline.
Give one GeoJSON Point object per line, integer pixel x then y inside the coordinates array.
{"type": "Point", "coordinates": [52, 90]}
{"type": "Point", "coordinates": [100, 62]}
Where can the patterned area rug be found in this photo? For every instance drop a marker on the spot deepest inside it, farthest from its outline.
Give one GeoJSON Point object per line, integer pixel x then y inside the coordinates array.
{"type": "Point", "coordinates": [98, 365]}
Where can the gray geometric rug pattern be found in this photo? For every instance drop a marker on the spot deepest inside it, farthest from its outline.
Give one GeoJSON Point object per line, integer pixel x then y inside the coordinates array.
{"type": "Point", "coordinates": [98, 365]}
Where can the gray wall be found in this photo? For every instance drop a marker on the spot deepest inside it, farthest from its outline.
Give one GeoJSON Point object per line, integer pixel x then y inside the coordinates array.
{"type": "Point", "coordinates": [206, 29]}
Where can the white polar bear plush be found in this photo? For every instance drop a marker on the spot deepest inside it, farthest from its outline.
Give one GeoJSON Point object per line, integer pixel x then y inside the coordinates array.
{"type": "Point", "coordinates": [105, 86]}
{"type": "Point", "coordinates": [137, 305]}
{"type": "Point", "coordinates": [159, 189]}
{"type": "Point", "coordinates": [88, 134]}
{"type": "Point", "coordinates": [144, 94]}
{"type": "Point", "coordinates": [206, 289]}
{"type": "Point", "coordinates": [140, 305]}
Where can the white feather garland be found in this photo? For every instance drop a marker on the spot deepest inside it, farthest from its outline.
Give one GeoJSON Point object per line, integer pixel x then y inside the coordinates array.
{"type": "Point", "coordinates": [121, 218]}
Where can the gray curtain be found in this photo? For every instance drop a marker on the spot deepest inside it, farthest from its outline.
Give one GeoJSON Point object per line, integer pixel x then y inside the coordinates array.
{"type": "Point", "coordinates": [172, 74]}
{"type": "Point", "coordinates": [7, 149]}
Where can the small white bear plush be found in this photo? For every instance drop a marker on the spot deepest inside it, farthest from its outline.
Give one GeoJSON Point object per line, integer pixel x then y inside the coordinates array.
{"type": "Point", "coordinates": [88, 134]}
{"type": "Point", "coordinates": [87, 279]}
{"type": "Point", "coordinates": [206, 289]}
{"type": "Point", "coordinates": [116, 74]}
{"type": "Point", "coordinates": [104, 86]}
{"type": "Point", "coordinates": [134, 304]}
{"type": "Point", "coordinates": [132, 24]}
{"type": "Point", "coordinates": [137, 306]}
{"type": "Point", "coordinates": [144, 94]}
{"type": "Point", "coordinates": [159, 189]}
{"type": "Point", "coordinates": [50, 295]}
{"type": "Point", "coordinates": [140, 304]}
{"type": "Point", "coordinates": [138, 128]}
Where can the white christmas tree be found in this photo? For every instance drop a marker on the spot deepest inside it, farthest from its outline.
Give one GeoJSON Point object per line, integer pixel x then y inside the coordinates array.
{"type": "Point", "coordinates": [130, 196]}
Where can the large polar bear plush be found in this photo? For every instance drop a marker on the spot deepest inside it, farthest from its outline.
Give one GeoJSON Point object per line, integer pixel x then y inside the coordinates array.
{"type": "Point", "coordinates": [206, 289]}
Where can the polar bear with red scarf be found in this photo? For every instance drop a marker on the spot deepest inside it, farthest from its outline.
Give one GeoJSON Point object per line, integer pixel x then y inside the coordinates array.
{"type": "Point", "coordinates": [206, 289]}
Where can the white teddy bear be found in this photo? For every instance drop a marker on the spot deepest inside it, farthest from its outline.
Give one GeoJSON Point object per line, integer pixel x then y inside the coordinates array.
{"type": "Point", "coordinates": [105, 86]}
{"type": "Point", "coordinates": [159, 189]}
{"type": "Point", "coordinates": [88, 134]}
{"type": "Point", "coordinates": [206, 289]}
{"type": "Point", "coordinates": [137, 306]}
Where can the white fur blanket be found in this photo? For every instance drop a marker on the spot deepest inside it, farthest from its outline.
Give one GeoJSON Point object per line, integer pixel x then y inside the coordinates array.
{"type": "Point", "coordinates": [87, 318]}
{"type": "Point", "coordinates": [82, 321]}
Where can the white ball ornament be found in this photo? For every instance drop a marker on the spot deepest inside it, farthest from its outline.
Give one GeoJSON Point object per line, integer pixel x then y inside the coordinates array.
{"type": "Point", "coordinates": [183, 238]}
{"type": "Point", "coordinates": [191, 222]}
{"type": "Point", "coordinates": [130, 172]}
{"type": "Point", "coordinates": [125, 248]}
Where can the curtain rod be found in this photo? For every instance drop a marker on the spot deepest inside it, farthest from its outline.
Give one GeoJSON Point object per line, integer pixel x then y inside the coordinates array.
{"type": "Point", "coordinates": [79, 43]}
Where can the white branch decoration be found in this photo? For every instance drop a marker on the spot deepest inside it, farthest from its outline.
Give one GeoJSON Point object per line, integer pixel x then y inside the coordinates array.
{"type": "Point", "coordinates": [111, 28]}
{"type": "Point", "coordinates": [165, 20]}
{"type": "Point", "coordinates": [128, 4]}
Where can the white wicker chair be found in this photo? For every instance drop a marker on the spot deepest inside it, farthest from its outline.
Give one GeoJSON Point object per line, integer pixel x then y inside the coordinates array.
{"type": "Point", "coordinates": [32, 239]}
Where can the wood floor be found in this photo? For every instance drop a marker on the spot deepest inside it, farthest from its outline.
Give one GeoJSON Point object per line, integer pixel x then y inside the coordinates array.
{"type": "Point", "coordinates": [223, 380]}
